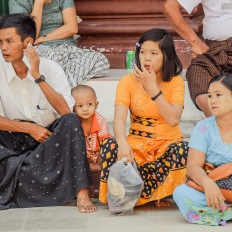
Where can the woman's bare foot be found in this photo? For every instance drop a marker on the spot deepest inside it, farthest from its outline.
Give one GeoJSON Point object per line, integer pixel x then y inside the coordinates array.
{"type": "Point", "coordinates": [162, 203]}
{"type": "Point", "coordinates": [95, 167]}
{"type": "Point", "coordinates": [83, 202]}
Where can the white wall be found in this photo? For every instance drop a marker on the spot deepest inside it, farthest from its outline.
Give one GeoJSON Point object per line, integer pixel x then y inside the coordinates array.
{"type": "Point", "coordinates": [105, 91]}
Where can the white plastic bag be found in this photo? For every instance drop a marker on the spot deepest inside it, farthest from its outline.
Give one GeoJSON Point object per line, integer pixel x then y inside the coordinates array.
{"type": "Point", "coordinates": [124, 187]}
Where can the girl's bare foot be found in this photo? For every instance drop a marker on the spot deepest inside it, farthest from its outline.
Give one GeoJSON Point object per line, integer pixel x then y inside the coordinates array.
{"type": "Point", "coordinates": [162, 203]}
{"type": "Point", "coordinates": [83, 202]}
{"type": "Point", "coordinates": [95, 167]}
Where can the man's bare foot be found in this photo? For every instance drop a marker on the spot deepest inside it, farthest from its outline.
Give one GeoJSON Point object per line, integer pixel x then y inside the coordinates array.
{"type": "Point", "coordinates": [95, 167]}
{"type": "Point", "coordinates": [83, 202]}
{"type": "Point", "coordinates": [162, 203]}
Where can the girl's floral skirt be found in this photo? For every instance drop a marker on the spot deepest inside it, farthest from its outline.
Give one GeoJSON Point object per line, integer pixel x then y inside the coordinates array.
{"type": "Point", "coordinates": [193, 206]}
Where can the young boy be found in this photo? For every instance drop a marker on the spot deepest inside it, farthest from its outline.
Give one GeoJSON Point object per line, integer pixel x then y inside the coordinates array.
{"type": "Point", "coordinates": [94, 125]}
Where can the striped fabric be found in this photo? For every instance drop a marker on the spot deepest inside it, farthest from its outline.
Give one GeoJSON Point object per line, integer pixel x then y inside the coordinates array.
{"type": "Point", "coordinates": [79, 65]}
{"type": "Point", "coordinates": [204, 67]}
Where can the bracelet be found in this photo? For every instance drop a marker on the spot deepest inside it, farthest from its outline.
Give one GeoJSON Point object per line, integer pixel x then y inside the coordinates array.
{"type": "Point", "coordinates": [45, 37]}
{"type": "Point", "coordinates": [156, 96]}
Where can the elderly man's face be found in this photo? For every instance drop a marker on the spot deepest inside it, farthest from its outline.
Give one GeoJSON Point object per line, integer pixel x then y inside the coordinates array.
{"type": "Point", "coordinates": [11, 45]}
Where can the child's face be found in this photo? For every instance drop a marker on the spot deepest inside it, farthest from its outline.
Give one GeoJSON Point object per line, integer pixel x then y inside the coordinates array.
{"type": "Point", "coordinates": [151, 57]}
{"type": "Point", "coordinates": [86, 104]}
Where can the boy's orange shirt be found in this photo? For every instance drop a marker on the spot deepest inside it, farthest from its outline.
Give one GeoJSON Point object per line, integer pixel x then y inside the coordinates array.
{"type": "Point", "coordinates": [99, 131]}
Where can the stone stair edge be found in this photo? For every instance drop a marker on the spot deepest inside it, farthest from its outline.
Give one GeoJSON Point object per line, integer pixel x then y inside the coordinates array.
{"type": "Point", "coordinates": [117, 74]}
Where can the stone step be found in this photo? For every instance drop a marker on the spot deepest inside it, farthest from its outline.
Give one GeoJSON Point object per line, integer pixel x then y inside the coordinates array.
{"type": "Point", "coordinates": [113, 27]}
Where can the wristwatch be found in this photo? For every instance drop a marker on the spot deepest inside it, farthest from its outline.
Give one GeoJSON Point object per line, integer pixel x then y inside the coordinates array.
{"type": "Point", "coordinates": [45, 37]}
{"type": "Point", "coordinates": [40, 79]}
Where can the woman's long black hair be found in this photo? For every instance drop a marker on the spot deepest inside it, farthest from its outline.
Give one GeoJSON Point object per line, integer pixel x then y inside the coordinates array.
{"type": "Point", "coordinates": [171, 62]}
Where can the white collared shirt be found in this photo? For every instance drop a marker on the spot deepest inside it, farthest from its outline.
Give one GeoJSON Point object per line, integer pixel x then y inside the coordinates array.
{"type": "Point", "coordinates": [218, 17]}
{"type": "Point", "coordinates": [22, 99]}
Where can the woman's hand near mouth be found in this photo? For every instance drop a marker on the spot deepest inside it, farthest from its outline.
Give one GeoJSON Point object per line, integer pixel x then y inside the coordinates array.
{"type": "Point", "coordinates": [147, 79]}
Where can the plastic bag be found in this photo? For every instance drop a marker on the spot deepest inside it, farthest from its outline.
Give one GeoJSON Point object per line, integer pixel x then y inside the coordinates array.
{"type": "Point", "coordinates": [124, 187]}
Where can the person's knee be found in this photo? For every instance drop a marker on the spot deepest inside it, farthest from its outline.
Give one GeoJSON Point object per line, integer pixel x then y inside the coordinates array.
{"type": "Point", "coordinates": [202, 99]}
{"type": "Point", "coordinates": [70, 117]}
{"type": "Point", "coordinates": [108, 145]}
{"type": "Point", "coordinates": [108, 141]}
{"type": "Point", "coordinates": [178, 193]}
{"type": "Point", "coordinates": [69, 122]}
{"type": "Point", "coordinates": [202, 103]}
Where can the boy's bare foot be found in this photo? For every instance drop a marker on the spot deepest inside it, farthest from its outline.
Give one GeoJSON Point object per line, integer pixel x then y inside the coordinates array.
{"type": "Point", "coordinates": [83, 202]}
{"type": "Point", "coordinates": [162, 203]}
{"type": "Point", "coordinates": [95, 167]}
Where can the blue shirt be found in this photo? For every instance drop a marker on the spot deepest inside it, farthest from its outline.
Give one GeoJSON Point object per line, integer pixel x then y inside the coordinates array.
{"type": "Point", "coordinates": [206, 138]}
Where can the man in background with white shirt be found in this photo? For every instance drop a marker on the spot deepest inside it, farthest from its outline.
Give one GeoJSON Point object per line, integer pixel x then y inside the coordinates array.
{"type": "Point", "coordinates": [42, 145]}
{"type": "Point", "coordinates": [214, 55]}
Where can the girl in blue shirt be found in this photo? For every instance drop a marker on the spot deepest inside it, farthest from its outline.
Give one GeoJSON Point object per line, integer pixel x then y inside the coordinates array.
{"type": "Point", "coordinates": [211, 141]}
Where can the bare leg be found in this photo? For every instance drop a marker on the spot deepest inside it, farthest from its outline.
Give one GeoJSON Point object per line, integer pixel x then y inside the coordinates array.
{"type": "Point", "coordinates": [162, 203]}
{"type": "Point", "coordinates": [83, 202]}
{"type": "Point", "coordinates": [202, 102]}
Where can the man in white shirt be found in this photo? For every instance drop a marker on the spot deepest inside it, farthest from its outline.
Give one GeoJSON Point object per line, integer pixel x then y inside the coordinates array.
{"type": "Point", "coordinates": [42, 146]}
{"type": "Point", "coordinates": [214, 55]}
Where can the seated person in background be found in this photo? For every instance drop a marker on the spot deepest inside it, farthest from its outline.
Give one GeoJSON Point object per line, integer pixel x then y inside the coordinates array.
{"type": "Point", "coordinates": [42, 150]}
{"type": "Point", "coordinates": [154, 94]}
{"type": "Point", "coordinates": [211, 142]}
{"type": "Point", "coordinates": [95, 126]}
{"type": "Point", "coordinates": [56, 23]}
{"type": "Point", "coordinates": [214, 55]}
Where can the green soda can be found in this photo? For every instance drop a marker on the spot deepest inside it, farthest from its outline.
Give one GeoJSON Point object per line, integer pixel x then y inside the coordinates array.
{"type": "Point", "coordinates": [130, 59]}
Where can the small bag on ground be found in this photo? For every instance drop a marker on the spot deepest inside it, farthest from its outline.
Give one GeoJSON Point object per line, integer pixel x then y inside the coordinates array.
{"type": "Point", "coordinates": [124, 187]}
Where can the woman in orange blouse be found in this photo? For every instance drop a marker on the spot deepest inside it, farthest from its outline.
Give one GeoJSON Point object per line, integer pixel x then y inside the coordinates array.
{"type": "Point", "coordinates": [154, 95]}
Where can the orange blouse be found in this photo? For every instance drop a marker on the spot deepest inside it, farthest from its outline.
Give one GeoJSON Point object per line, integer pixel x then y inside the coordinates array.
{"type": "Point", "coordinates": [131, 94]}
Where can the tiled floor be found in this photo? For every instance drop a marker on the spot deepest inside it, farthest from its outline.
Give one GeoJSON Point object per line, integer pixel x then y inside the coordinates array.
{"type": "Point", "coordinates": [68, 219]}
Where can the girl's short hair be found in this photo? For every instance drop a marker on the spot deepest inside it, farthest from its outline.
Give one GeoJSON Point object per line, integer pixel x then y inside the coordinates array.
{"type": "Point", "coordinates": [171, 63]}
{"type": "Point", "coordinates": [224, 78]}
